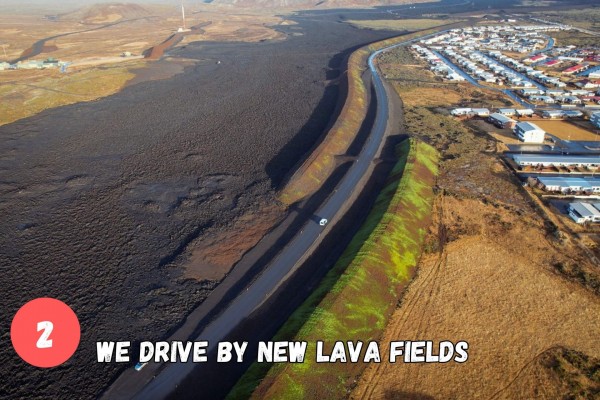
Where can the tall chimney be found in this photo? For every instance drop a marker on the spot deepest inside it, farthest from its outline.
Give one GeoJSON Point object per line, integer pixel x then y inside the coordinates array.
{"type": "Point", "coordinates": [183, 14]}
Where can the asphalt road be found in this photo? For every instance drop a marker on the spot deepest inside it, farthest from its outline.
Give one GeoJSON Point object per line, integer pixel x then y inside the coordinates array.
{"type": "Point", "coordinates": [142, 385]}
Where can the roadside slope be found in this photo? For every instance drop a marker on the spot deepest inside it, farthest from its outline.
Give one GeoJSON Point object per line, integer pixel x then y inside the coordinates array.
{"type": "Point", "coordinates": [359, 294]}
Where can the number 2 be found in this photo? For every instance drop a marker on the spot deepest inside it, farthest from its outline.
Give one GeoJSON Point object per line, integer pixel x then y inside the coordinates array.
{"type": "Point", "coordinates": [43, 342]}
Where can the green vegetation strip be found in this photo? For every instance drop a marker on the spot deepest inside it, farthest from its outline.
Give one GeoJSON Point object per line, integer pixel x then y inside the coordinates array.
{"type": "Point", "coordinates": [321, 163]}
{"type": "Point", "coordinates": [358, 295]}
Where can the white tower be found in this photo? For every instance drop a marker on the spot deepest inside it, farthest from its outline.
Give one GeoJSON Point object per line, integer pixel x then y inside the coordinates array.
{"type": "Point", "coordinates": [183, 15]}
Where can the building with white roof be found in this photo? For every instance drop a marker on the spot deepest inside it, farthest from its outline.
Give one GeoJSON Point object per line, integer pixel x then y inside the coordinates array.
{"type": "Point", "coordinates": [529, 132]}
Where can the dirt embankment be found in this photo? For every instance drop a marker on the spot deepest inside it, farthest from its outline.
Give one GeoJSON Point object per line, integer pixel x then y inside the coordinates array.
{"type": "Point", "coordinates": [322, 160]}
{"type": "Point", "coordinates": [156, 52]}
{"type": "Point", "coordinates": [350, 304]}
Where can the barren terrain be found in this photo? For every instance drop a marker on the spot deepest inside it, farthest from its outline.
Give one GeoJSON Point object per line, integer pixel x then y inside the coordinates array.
{"type": "Point", "coordinates": [408, 25]}
{"type": "Point", "coordinates": [306, 4]}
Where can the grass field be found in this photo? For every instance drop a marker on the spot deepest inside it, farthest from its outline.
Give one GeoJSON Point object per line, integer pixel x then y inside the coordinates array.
{"type": "Point", "coordinates": [420, 87]}
{"type": "Point", "coordinates": [567, 131]}
{"type": "Point", "coordinates": [358, 295]}
{"type": "Point", "coordinates": [48, 89]}
{"type": "Point", "coordinates": [401, 24]}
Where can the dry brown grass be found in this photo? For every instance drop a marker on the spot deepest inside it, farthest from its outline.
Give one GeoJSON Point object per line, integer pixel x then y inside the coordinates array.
{"type": "Point", "coordinates": [493, 289]}
{"type": "Point", "coordinates": [429, 97]}
{"type": "Point", "coordinates": [42, 90]}
{"type": "Point", "coordinates": [567, 131]}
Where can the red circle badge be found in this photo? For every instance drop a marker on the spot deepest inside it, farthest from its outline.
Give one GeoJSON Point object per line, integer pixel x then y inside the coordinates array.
{"type": "Point", "coordinates": [45, 332]}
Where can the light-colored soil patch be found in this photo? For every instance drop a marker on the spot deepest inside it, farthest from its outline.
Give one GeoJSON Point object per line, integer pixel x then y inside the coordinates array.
{"type": "Point", "coordinates": [214, 255]}
{"type": "Point", "coordinates": [566, 130]}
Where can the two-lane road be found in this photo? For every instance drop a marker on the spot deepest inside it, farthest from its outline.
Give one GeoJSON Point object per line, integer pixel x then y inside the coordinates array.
{"type": "Point", "coordinates": [129, 385]}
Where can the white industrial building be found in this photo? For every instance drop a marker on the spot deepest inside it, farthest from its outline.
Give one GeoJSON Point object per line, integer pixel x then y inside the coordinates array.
{"type": "Point", "coordinates": [502, 121]}
{"type": "Point", "coordinates": [480, 112]}
{"type": "Point", "coordinates": [569, 184]}
{"type": "Point", "coordinates": [525, 112]}
{"type": "Point", "coordinates": [553, 114]}
{"type": "Point", "coordinates": [584, 212]}
{"type": "Point", "coordinates": [595, 119]}
{"type": "Point", "coordinates": [509, 112]}
{"type": "Point", "coordinates": [477, 112]}
{"type": "Point", "coordinates": [529, 132]}
{"type": "Point", "coordinates": [548, 160]}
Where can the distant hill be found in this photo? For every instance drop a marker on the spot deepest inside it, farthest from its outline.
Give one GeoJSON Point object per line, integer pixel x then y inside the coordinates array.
{"type": "Point", "coordinates": [107, 13]}
{"type": "Point", "coordinates": [314, 3]}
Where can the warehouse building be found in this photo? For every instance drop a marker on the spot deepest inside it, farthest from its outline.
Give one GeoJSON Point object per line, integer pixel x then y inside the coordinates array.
{"type": "Point", "coordinates": [553, 114]}
{"type": "Point", "coordinates": [595, 119]}
{"type": "Point", "coordinates": [509, 112]}
{"type": "Point", "coordinates": [472, 112]}
{"type": "Point", "coordinates": [526, 112]}
{"type": "Point", "coordinates": [529, 132]}
{"type": "Point", "coordinates": [480, 112]}
{"type": "Point", "coordinates": [502, 121]}
{"type": "Point", "coordinates": [569, 184]}
{"type": "Point", "coordinates": [548, 160]}
{"type": "Point", "coordinates": [584, 212]}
